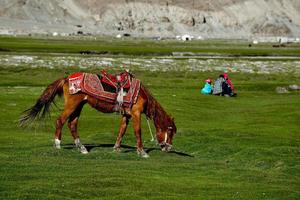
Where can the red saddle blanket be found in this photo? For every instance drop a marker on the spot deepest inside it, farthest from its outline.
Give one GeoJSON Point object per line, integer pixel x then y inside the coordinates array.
{"type": "Point", "coordinates": [92, 85]}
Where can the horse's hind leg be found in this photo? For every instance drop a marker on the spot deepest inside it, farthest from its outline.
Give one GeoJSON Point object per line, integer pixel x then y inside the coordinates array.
{"type": "Point", "coordinates": [71, 103]}
{"type": "Point", "coordinates": [72, 124]}
{"type": "Point", "coordinates": [122, 130]}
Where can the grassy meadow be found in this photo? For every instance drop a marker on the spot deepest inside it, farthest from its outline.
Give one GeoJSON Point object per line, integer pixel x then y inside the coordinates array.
{"type": "Point", "coordinates": [142, 47]}
{"type": "Point", "coordinates": [246, 147]}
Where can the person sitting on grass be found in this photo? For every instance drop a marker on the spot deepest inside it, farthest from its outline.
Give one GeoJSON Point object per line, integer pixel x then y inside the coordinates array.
{"type": "Point", "coordinates": [228, 88]}
{"type": "Point", "coordinates": [218, 86]}
{"type": "Point", "coordinates": [207, 89]}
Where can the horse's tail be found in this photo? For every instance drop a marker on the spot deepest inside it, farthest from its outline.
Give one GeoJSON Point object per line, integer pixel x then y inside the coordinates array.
{"type": "Point", "coordinates": [42, 105]}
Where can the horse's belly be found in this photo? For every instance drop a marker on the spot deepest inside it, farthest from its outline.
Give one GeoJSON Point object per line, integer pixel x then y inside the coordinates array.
{"type": "Point", "coordinates": [101, 106]}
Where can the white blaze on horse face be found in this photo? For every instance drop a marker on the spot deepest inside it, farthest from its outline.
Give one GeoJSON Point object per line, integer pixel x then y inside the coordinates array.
{"type": "Point", "coordinates": [166, 137]}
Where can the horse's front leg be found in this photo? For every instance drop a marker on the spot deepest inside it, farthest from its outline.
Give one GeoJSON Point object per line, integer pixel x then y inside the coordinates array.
{"type": "Point", "coordinates": [73, 129]}
{"type": "Point", "coordinates": [136, 118]}
{"type": "Point", "coordinates": [122, 130]}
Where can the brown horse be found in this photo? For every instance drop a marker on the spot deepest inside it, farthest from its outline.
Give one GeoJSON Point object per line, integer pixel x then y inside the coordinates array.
{"type": "Point", "coordinates": [73, 104]}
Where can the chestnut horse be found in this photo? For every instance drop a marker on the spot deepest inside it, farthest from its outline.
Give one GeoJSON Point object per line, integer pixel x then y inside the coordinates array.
{"type": "Point", "coordinates": [73, 104]}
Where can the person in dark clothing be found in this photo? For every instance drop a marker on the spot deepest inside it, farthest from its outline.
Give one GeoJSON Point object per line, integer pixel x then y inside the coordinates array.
{"type": "Point", "coordinates": [226, 89]}
{"type": "Point", "coordinates": [229, 88]}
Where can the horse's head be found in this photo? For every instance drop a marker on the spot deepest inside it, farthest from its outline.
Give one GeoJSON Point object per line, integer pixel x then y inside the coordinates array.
{"type": "Point", "coordinates": [165, 136]}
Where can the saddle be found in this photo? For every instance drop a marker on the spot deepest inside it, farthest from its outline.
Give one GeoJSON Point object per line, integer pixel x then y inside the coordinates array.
{"type": "Point", "coordinates": [121, 90]}
{"type": "Point", "coordinates": [122, 80]}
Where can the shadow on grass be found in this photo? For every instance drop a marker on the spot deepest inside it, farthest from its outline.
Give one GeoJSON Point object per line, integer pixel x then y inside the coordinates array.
{"type": "Point", "coordinates": [127, 148]}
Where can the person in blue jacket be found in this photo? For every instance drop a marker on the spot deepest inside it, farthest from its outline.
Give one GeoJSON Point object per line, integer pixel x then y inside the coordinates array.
{"type": "Point", "coordinates": [207, 89]}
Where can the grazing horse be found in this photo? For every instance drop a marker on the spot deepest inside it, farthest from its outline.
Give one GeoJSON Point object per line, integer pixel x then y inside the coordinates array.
{"type": "Point", "coordinates": [73, 104]}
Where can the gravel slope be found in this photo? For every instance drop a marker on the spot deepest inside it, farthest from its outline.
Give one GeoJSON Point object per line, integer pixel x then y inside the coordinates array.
{"type": "Point", "coordinates": [153, 18]}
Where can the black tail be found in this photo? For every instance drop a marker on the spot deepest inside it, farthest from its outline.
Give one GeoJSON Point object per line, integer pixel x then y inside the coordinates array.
{"type": "Point", "coordinates": [42, 105]}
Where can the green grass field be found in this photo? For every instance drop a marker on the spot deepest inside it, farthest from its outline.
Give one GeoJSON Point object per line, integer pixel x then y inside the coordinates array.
{"type": "Point", "coordinates": [225, 148]}
{"type": "Point", "coordinates": [139, 47]}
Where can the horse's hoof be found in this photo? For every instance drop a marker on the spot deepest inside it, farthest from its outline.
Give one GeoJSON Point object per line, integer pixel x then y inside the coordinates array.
{"type": "Point", "coordinates": [57, 144]}
{"type": "Point", "coordinates": [142, 153]}
{"type": "Point", "coordinates": [165, 149]}
{"type": "Point", "coordinates": [117, 149]}
{"type": "Point", "coordinates": [145, 155]}
{"type": "Point", "coordinates": [83, 150]}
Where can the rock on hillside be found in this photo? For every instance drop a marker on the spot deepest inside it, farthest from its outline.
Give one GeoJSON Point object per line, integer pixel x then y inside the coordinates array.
{"type": "Point", "coordinates": [153, 18]}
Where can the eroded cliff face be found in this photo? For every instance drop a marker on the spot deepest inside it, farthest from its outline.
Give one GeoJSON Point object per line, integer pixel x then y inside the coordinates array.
{"type": "Point", "coordinates": [152, 18]}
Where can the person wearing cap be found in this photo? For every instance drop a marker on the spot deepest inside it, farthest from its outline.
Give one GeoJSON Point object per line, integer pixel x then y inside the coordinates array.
{"type": "Point", "coordinates": [207, 89]}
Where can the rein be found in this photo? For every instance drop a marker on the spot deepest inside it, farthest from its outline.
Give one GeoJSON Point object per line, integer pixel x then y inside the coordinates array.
{"type": "Point", "coordinates": [152, 138]}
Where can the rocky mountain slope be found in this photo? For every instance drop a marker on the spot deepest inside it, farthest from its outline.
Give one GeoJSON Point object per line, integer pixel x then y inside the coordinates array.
{"type": "Point", "coordinates": [153, 18]}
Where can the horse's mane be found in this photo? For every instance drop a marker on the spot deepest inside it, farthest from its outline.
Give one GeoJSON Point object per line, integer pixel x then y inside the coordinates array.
{"type": "Point", "coordinates": [155, 111]}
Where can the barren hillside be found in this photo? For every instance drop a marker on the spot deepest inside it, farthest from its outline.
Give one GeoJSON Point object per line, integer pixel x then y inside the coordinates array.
{"type": "Point", "coordinates": [152, 18]}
